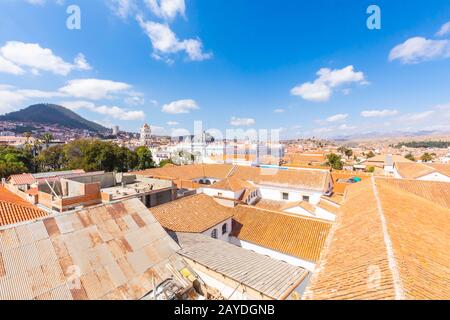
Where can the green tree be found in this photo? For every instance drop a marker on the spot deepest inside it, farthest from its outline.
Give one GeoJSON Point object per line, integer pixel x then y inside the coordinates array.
{"type": "Point", "coordinates": [51, 159]}
{"type": "Point", "coordinates": [370, 154]}
{"type": "Point", "coordinates": [47, 138]}
{"type": "Point", "coordinates": [348, 153]}
{"type": "Point", "coordinates": [409, 156]}
{"type": "Point", "coordinates": [371, 169]}
{"type": "Point", "coordinates": [165, 162]}
{"type": "Point", "coordinates": [145, 159]}
{"type": "Point", "coordinates": [14, 160]}
{"type": "Point", "coordinates": [342, 150]}
{"type": "Point", "coordinates": [28, 136]}
{"type": "Point", "coordinates": [334, 161]}
{"type": "Point", "coordinates": [426, 157]}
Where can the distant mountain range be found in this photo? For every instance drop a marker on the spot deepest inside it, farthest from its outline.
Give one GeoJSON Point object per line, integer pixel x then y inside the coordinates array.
{"type": "Point", "coordinates": [53, 114]}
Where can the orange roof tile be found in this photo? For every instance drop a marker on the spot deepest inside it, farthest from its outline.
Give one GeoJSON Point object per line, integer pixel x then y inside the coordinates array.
{"type": "Point", "coordinates": [234, 184]}
{"type": "Point", "coordinates": [290, 234]}
{"type": "Point", "coordinates": [301, 178]}
{"type": "Point", "coordinates": [438, 192]}
{"type": "Point", "coordinates": [413, 170]}
{"type": "Point", "coordinates": [20, 179]}
{"type": "Point", "coordinates": [387, 243]}
{"type": "Point", "coordinates": [14, 209]}
{"type": "Point", "coordinates": [443, 168]}
{"type": "Point", "coordinates": [295, 178]}
{"type": "Point", "coordinates": [328, 206]}
{"type": "Point", "coordinates": [274, 205]}
{"type": "Point", "coordinates": [193, 214]}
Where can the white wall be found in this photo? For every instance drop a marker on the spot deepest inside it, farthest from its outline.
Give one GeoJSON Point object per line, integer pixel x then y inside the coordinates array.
{"type": "Point", "coordinates": [220, 236]}
{"type": "Point", "coordinates": [308, 265]}
{"type": "Point", "coordinates": [435, 176]}
{"type": "Point", "coordinates": [319, 213]}
{"type": "Point", "coordinates": [275, 193]}
{"type": "Point", "coordinates": [215, 193]}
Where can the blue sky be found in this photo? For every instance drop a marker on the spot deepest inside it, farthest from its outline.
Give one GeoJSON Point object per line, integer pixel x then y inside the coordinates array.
{"type": "Point", "coordinates": [310, 68]}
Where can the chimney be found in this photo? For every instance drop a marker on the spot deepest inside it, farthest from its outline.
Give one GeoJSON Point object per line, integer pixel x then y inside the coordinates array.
{"type": "Point", "coordinates": [389, 160]}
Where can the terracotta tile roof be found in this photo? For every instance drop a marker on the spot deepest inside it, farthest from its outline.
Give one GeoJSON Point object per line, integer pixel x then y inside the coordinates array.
{"type": "Point", "coordinates": [307, 206]}
{"type": "Point", "coordinates": [273, 205]}
{"type": "Point", "coordinates": [290, 234]}
{"type": "Point", "coordinates": [413, 170]}
{"type": "Point", "coordinates": [20, 179]}
{"type": "Point", "coordinates": [381, 158]}
{"type": "Point", "coordinates": [295, 178]}
{"type": "Point", "coordinates": [234, 184]}
{"type": "Point", "coordinates": [299, 178]}
{"type": "Point", "coordinates": [13, 209]}
{"type": "Point", "coordinates": [115, 251]}
{"type": "Point", "coordinates": [328, 206]}
{"type": "Point", "coordinates": [189, 172]}
{"type": "Point", "coordinates": [387, 243]}
{"type": "Point", "coordinates": [193, 214]}
{"type": "Point", "coordinates": [435, 191]}
{"type": "Point", "coordinates": [443, 168]}
{"type": "Point", "coordinates": [335, 198]}
{"type": "Point", "coordinates": [298, 158]}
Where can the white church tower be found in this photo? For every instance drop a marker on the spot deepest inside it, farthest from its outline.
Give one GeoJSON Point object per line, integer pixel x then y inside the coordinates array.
{"type": "Point", "coordinates": [146, 135]}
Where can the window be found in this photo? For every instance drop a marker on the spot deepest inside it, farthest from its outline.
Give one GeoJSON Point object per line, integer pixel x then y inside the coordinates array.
{"type": "Point", "coordinates": [285, 195]}
{"type": "Point", "coordinates": [224, 228]}
{"type": "Point", "coordinates": [306, 198]}
{"type": "Point", "coordinates": [214, 234]}
{"type": "Point", "coordinates": [219, 194]}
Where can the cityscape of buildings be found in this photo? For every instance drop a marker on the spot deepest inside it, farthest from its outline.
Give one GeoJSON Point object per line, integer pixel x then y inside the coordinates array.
{"type": "Point", "coordinates": [226, 224]}
{"type": "Point", "coordinates": [246, 152]}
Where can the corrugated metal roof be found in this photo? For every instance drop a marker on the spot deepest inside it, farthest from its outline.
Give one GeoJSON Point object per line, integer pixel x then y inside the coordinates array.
{"type": "Point", "coordinates": [109, 252]}
{"type": "Point", "coordinates": [273, 278]}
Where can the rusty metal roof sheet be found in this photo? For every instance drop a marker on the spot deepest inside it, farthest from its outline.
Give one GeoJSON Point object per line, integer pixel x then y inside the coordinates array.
{"type": "Point", "coordinates": [117, 251]}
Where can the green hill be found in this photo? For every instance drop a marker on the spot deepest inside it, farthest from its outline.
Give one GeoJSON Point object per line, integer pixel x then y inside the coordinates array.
{"type": "Point", "coordinates": [52, 114]}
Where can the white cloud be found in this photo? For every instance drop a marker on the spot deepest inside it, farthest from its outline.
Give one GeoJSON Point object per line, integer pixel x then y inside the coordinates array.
{"type": "Point", "coordinates": [337, 117]}
{"type": "Point", "coordinates": [165, 42]}
{"type": "Point", "coordinates": [378, 113]}
{"type": "Point", "coordinates": [321, 89]}
{"type": "Point", "coordinates": [419, 49]}
{"type": "Point", "coordinates": [19, 55]}
{"type": "Point", "coordinates": [167, 9]}
{"type": "Point", "coordinates": [7, 66]}
{"type": "Point", "coordinates": [279, 110]}
{"type": "Point", "coordinates": [415, 117]}
{"type": "Point", "coordinates": [322, 130]}
{"type": "Point", "coordinates": [172, 123]}
{"type": "Point", "coordinates": [122, 8]}
{"type": "Point", "coordinates": [445, 30]}
{"type": "Point", "coordinates": [242, 121]}
{"type": "Point", "coordinates": [94, 89]}
{"type": "Point", "coordinates": [180, 106]}
{"type": "Point", "coordinates": [313, 91]}
{"type": "Point", "coordinates": [111, 111]}
{"type": "Point", "coordinates": [346, 127]}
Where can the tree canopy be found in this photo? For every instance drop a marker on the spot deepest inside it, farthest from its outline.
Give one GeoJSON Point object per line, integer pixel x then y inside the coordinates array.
{"type": "Point", "coordinates": [89, 155]}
